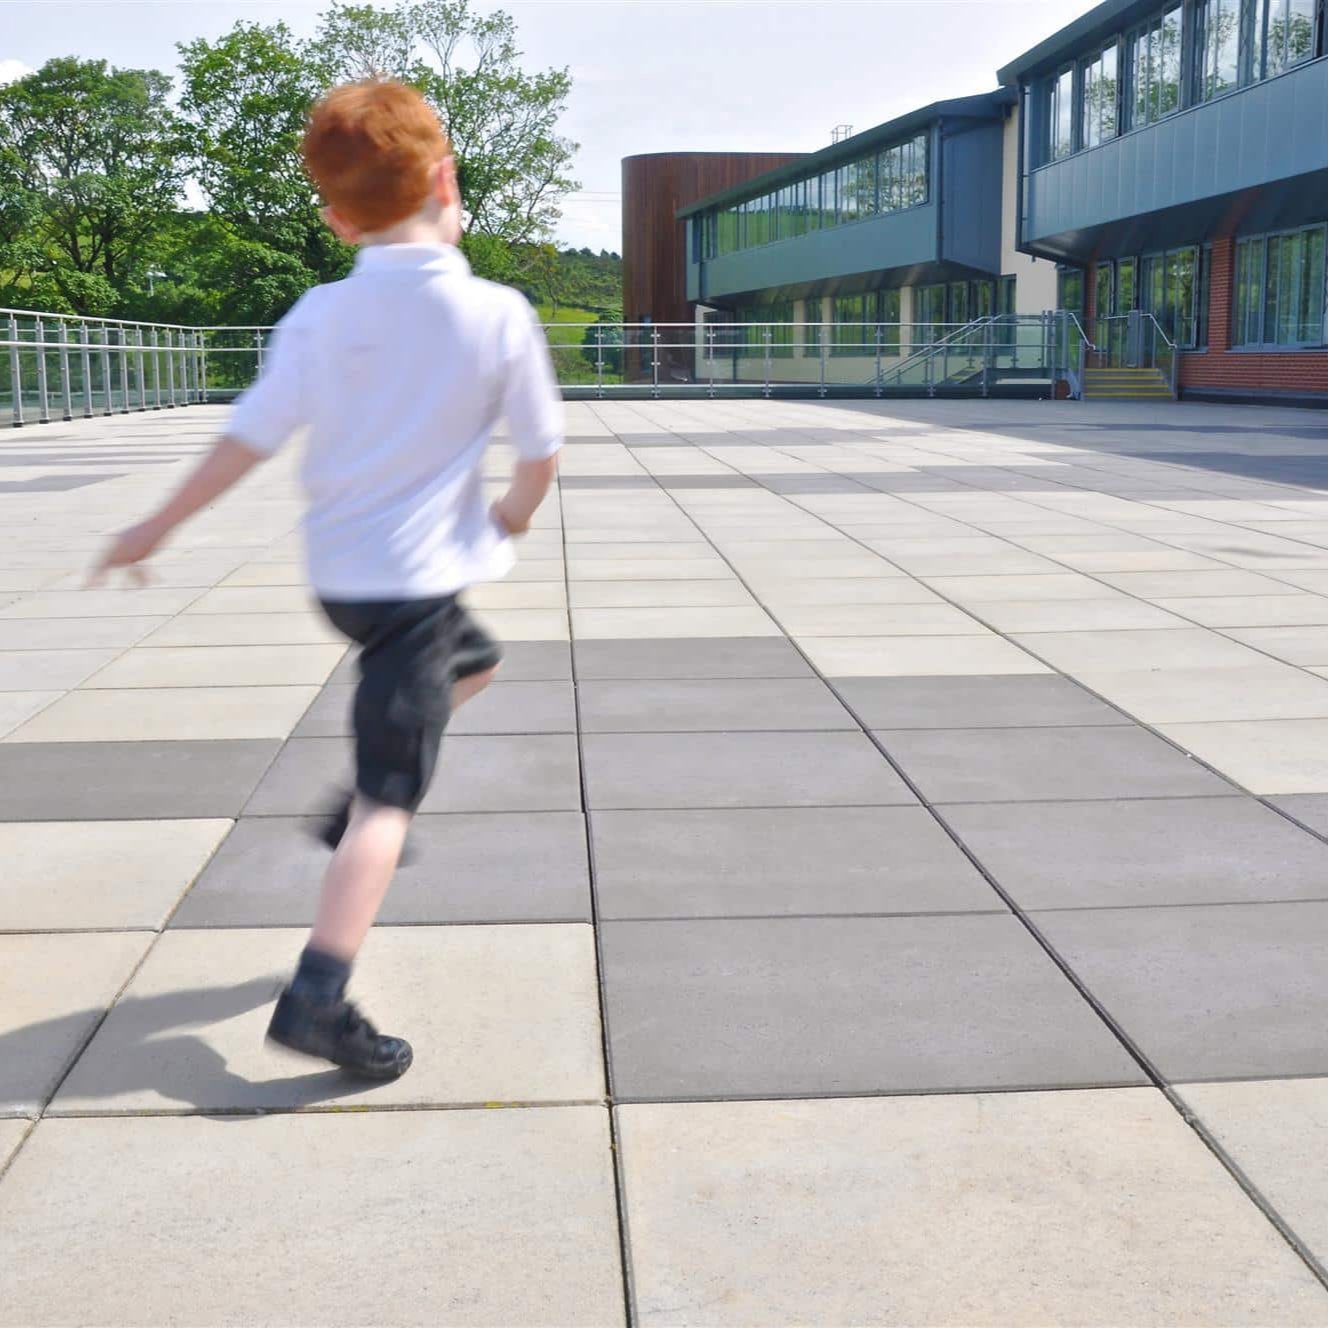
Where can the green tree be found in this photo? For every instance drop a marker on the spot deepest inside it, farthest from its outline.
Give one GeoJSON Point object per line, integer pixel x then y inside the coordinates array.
{"type": "Point", "coordinates": [92, 167]}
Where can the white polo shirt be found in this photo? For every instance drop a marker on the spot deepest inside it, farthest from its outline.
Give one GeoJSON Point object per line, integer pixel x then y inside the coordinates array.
{"type": "Point", "coordinates": [399, 373]}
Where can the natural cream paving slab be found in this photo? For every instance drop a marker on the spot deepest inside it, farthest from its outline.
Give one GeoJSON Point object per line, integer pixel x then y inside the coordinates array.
{"type": "Point", "coordinates": [909, 656]}
{"type": "Point", "coordinates": [523, 1230]}
{"type": "Point", "coordinates": [660, 594]}
{"type": "Point", "coordinates": [653, 622]}
{"type": "Point", "coordinates": [18, 707]}
{"type": "Point", "coordinates": [268, 574]}
{"type": "Point", "coordinates": [1220, 584]}
{"type": "Point", "coordinates": [12, 1133]}
{"type": "Point", "coordinates": [817, 592]}
{"type": "Point", "coordinates": [581, 568]}
{"type": "Point", "coordinates": [253, 599]}
{"type": "Point", "coordinates": [1054, 586]}
{"type": "Point", "coordinates": [1184, 648]}
{"type": "Point", "coordinates": [876, 620]}
{"type": "Point", "coordinates": [1295, 645]}
{"type": "Point", "coordinates": [588, 550]}
{"type": "Point", "coordinates": [500, 1014]}
{"type": "Point", "coordinates": [48, 634]}
{"type": "Point", "coordinates": [538, 569]}
{"type": "Point", "coordinates": [1270, 690]}
{"type": "Point", "coordinates": [1098, 615]}
{"type": "Point", "coordinates": [220, 666]}
{"type": "Point", "coordinates": [53, 990]}
{"type": "Point", "coordinates": [86, 875]}
{"type": "Point", "coordinates": [114, 603]}
{"type": "Point", "coordinates": [772, 571]}
{"type": "Point", "coordinates": [244, 629]}
{"type": "Point", "coordinates": [526, 624]}
{"type": "Point", "coordinates": [1022, 1208]}
{"type": "Point", "coordinates": [1276, 1131]}
{"type": "Point", "coordinates": [1289, 610]}
{"type": "Point", "coordinates": [517, 595]}
{"type": "Point", "coordinates": [170, 714]}
{"type": "Point", "coordinates": [1268, 756]}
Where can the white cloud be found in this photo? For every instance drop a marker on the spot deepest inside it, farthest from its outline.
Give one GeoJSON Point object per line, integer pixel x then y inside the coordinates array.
{"type": "Point", "coordinates": [12, 69]}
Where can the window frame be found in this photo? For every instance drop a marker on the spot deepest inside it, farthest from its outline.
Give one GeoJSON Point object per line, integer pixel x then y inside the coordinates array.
{"type": "Point", "coordinates": [1256, 284]}
{"type": "Point", "coordinates": [1088, 63]}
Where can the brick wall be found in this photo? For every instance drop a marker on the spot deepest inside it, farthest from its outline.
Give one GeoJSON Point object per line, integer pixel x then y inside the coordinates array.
{"type": "Point", "coordinates": [1300, 372]}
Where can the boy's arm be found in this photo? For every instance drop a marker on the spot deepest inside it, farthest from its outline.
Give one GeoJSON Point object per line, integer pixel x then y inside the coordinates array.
{"type": "Point", "coordinates": [228, 462]}
{"type": "Point", "coordinates": [534, 410]}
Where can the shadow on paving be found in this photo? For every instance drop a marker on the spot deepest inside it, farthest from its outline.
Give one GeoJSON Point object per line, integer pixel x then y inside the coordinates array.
{"type": "Point", "coordinates": [178, 1065]}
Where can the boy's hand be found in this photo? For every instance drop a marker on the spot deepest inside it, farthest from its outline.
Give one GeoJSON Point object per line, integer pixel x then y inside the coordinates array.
{"type": "Point", "coordinates": [507, 521]}
{"type": "Point", "coordinates": [129, 549]}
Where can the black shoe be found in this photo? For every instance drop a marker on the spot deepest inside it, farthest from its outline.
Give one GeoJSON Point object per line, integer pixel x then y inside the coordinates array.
{"type": "Point", "coordinates": [336, 1031]}
{"type": "Point", "coordinates": [330, 828]}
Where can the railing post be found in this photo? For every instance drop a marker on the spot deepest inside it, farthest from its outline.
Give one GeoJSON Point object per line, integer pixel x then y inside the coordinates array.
{"type": "Point", "coordinates": [258, 347]}
{"type": "Point", "coordinates": [43, 386]}
{"type": "Point", "coordinates": [66, 386]}
{"type": "Point", "coordinates": [15, 375]}
{"type": "Point", "coordinates": [184, 368]}
{"type": "Point", "coordinates": [124, 371]}
{"type": "Point", "coordinates": [876, 382]}
{"type": "Point", "coordinates": [766, 389]}
{"type": "Point", "coordinates": [821, 356]}
{"type": "Point", "coordinates": [108, 393]}
{"type": "Point", "coordinates": [170, 370]}
{"type": "Point", "coordinates": [141, 369]}
{"type": "Point", "coordinates": [599, 361]}
{"type": "Point", "coordinates": [710, 357]}
{"type": "Point", "coordinates": [654, 362]}
{"type": "Point", "coordinates": [156, 371]}
{"type": "Point", "coordinates": [86, 343]}
{"type": "Point", "coordinates": [202, 368]}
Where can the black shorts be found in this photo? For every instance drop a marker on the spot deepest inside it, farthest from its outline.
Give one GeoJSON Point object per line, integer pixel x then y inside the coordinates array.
{"type": "Point", "coordinates": [412, 651]}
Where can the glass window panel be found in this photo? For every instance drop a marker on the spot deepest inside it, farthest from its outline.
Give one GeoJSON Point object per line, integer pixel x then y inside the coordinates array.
{"type": "Point", "coordinates": [888, 314]}
{"type": "Point", "coordinates": [866, 186]}
{"type": "Point", "coordinates": [920, 170]}
{"type": "Point", "coordinates": [1061, 117]}
{"type": "Point", "coordinates": [928, 312]}
{"type": "Point", "coordinates": [852, 334]}
{"type": "Point", "coordinates": [1311, 294]}
{"type": "Point", "coordinates": [1125, 285]}
{"type": "Point", "coordinates": [1179, 322]}
{"type": "Point", "coordinates": [984, 299]}
{"type": "Point", "coordinates": [1203, 291]}
{"type": "Point", "coordinates": [1272, 271]}
{"type": "Point", "coordinates": [1167, 61]}
{"type": "Point", "coordinates": [829, 199]}
{"type": "Point", "coordinates": [1070, 290]}
{"type": "Point", "coordinates": [957, 302]}
{"type": "Point", "coordinates": [812, 332]}
{"type": "Point", "coordinates": [1288, 36]}
{"type": "Point", "coordinates": [813, 188]}
{"type": "Point", "coordinates": [1218, 48]}
{"type": "Point", "coordinates": [848, 191]}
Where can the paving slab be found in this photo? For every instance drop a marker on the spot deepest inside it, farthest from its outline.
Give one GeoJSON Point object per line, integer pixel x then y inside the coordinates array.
{"type": "Point", "coordinates": [496, 1014]}
{"type": "Point", "coordinates": [504, 707]}
{"type": "Point", "coordinates": [121, 602]}
{"type": "Point", "coordinates": [90, 875]}
{"type": "Point", "coordinates": [1270, 690]}
{"type": "Point", "coordinates": [527, 867]}
{"type": "Point", "coordinates": [1184, 648]}
{"type": "Point", "coordinates": [245, 629]}
{"type": "Point", "coordinates": [63, 781]}
{"type": "Point", "coordinates": [39, 670]}
{"type": "Point", "coordinates": [75, 633]}
{"type": "Point", "coordinates": [502, 773]}
{"type": "Point", "coordinates": [974, 701]}
{"type": "Point", "coordinates": [1053, 764]}
{"type": "Point", "coordinates": [796, 1007]}
{"type": "Point", "coordinates": [660, 770]}
{"type": "Point", "coordinates": [1311, 809]}
{"type": "Point", "coordinates": [1017, 1208]}
{"type": "Point", "coordinates": [53, 992]}
{"type": "Point", "coordinates": [725, 705]}
{"type": "Point", "coordinates": [1267, 757]}
{"type": "Point", "coordinates": [524, 1231]}
{"type": "Point", "coordinates": [652, 623]}
{"type": "Point", "coordinates": [1139, 853]}
{"type": "Point", "coordinates": [770, 863]}
{"type": "Point", "coordinates": [716, 657]}
{"type": "Point", "coordinates": [523, 661]}
{"type": "Point", "coordinates": [1208, 992]}
{"type": "Point", "coordinates": [220, 666]}
{"type": "Point", "coordinates": [908, 656]}
{"type": "Point", "coordinates": [168, 714]}
{"type": "Point", "coordinates": [1276, 1131]}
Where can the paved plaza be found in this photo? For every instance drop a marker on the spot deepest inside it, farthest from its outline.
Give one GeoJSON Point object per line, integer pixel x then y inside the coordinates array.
{"type": "Point", "coordinates": [889, 885]}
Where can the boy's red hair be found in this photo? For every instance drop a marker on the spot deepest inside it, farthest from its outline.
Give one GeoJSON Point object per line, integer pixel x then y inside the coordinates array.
{"type": "Point", "coordinates": [370, 148]}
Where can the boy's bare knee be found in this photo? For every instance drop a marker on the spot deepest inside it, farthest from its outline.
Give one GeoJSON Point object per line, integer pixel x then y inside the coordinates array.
{"type": "Point", "coordinates": [465, 688]}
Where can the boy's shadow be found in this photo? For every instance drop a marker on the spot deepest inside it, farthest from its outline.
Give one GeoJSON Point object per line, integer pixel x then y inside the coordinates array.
{"type": "Point", "coordinates": [136, 1050]}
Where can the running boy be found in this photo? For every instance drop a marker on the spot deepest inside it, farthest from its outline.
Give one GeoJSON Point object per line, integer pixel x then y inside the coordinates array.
{"type": "Point", "coordinates": [398, 373]}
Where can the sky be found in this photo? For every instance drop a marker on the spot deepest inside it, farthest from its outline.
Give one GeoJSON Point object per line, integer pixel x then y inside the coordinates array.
{"type": "Point", "coordinates": [648, 75]}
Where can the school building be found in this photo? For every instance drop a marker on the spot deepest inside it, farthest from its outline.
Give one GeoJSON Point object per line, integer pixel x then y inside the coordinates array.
{"type": "Point", "coordinates": [1159, 170]}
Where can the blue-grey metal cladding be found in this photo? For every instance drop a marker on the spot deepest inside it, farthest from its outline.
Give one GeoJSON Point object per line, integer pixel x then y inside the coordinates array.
{"type": "Point", "coordinates": [1270, 132]}
{"type": "Point", "coordinates": [971, 189]}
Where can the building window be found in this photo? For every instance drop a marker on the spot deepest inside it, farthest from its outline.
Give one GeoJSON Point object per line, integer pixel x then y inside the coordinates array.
{"type": "Point", "coordinates": [854, 331]}
{"type": "Point", "coordinates": [775, 322]}
{"type": "Point", "coordinates": [1202, 297]}
{"type": "Point", "coordinates": [1104, 298]}
{"type": "Point", "coordinates": [1060, 115]}
{"type": "Point", "coordinates": [957, 303]}
{"type": "Point", "coordinates": [928, 312]}
{"type": "Point", "coordinates": [1070, 290]}
{"type": "Point", "coordinates": [1168, 290]}
{"type": "Point", "coordinates": [812, 332]}
{"type": "Point", "coordinates": [1097, 114]}
{"type": "Point", "coordinates": [888, 316]}
{"type": "Point", "coordinates": [1216, 48]}
{"type": "Point", "coordinates": [1280, 289]}
{"type": "Point", "coordinates": [1154, 63]}
{"type": "Point", "coordinates": [1282, 36]}
{"type": "Point", "coordinates": [983, 303]}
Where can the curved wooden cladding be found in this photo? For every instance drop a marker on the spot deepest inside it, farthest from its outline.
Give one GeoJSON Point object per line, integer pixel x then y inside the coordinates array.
{"type": "Point", "coordinates": [654, 253]}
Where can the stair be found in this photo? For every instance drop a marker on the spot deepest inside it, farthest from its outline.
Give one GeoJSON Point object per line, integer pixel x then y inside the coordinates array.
{"type": "Point", "coordinates": [1126, 385]}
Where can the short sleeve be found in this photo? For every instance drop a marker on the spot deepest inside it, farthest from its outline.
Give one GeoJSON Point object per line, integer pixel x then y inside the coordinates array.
{"type": "Point", "coordinates": [532, 404]}
{"type": "Point", "coordinates": [266, 415]}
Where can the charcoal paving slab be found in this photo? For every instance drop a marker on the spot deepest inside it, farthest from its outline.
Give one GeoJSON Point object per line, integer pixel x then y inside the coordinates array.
{"type": "Point", "coordinates": [1018, 765]}
{"type": "Point", "coordinates": [494, 867]}
{"type": "Point", "coordinates": [108, 781]}
{"type": "Point", "coordinates": [699, 657]}
{"type": "Point", "coordinates": [723, 704]}
{"type": "Point", "coordinates": [1309, 808]}
{"type": "Point", "coordinates": [504, 707]}
{"type": "Point", "coordinates": [809, 1006]}
{"type": "Point", "coordinates": [482, 774]}
{"type": "Point", "coordinates": [626, 770]}
{"type": "Point", "coordinates": [744, 862]}
{"type": "Point", "coordinates": [1000, 701]}
{"type": "Point", "coordinates": [1209, 992]}
{"type": "Point", "coordinates": [1143, 852]}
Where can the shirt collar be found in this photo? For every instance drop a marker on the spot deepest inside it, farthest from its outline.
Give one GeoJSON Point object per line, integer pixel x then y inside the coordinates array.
{"type": "Point", "coordinates": [411, 257]}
